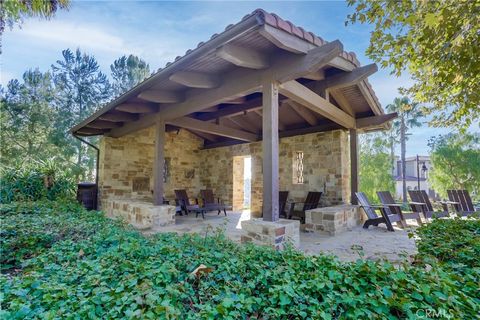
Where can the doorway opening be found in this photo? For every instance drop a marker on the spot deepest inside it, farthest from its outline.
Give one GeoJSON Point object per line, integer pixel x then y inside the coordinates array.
{"type": "Point", "coordinates": [242, 183]}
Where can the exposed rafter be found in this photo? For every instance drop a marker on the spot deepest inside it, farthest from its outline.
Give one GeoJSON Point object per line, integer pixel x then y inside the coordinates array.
{"type": "Point", "coordinates": [100, 124]}
{"type": "Point", "coordinates": [303, 112]}
{"type": "Point", "coordinates": [349, 78]}
{"type": "Point", "coordinates": [91, 131]}
{"type": "Point", "coordinates": [342, 102]}
{"type": "Point", "coordinates": [212, 128]}
{"type": "Point", "coordinates": [243, 57]}
{"type": "Point", "coordinates": [316, 103]}
{"type": "Point", "coordinates": [364, 123]}
{"type": "Point", "coordinates": [137, 108]}
{"type": "Point", "coordinates": [241, 81]}
{"type": "Point", "coordinates": [161, 96]}
{"type": "Point", "coordinates": [285, 40]}
{"type": "Point", "coordinates": [118, 116]}
{"type": "Point", "coordinates": [245, 124]}
{"type": "Point", "coordinates": [232, 110]}
{"type": "Point", "coordinates": [196, 79]}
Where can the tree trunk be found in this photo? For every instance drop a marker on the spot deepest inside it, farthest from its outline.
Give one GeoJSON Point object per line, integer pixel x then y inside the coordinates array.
{"type": "Point", "coordinates": [392, 156]}
{"type": "Point", "coordinates": [403, 151]}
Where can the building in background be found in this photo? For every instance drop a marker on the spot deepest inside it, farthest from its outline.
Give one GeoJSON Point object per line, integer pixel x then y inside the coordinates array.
{"type": "Point", "coordinates": [417, 171]}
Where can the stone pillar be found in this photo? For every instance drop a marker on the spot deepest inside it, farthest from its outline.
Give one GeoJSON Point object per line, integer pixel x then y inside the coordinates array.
{"type": "Point", "coordinates": [273, 234]}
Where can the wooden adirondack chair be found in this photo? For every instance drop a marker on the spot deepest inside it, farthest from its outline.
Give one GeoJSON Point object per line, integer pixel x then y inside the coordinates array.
{"type": "Point", "coordinates": [424, 205]}
{"type": "Point", "coordinates": [462, 202]}
{"type": "Point", "coordinates": [373, 218]}
{"type": "Point", "coordinates": [311, 202]}
{"type": "Point", "coordinates": [282, 203]}
{"type": "Point", "coordinates": [210, 204]}
{"type": "Point", "coordinates": [182, 200]}
{"type": "Point", "coordinates": [396, 208]}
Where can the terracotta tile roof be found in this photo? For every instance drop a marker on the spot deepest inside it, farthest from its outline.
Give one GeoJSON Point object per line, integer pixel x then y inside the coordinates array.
{"type": "Point", "coordinates": [262, 18]}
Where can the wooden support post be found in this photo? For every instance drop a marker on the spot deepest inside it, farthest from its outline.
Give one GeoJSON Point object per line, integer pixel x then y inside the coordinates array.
{"type": "Point", "coordinates": [270, 151]}
{"type": "Point", "coordinates": [159, 163]}
{"type": "Point", "coordinates": [353, 165]}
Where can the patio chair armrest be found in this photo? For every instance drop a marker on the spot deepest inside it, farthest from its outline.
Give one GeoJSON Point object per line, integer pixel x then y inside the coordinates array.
{"type": "Point", "coordinates": [417, 203]}
{"type": "Point", "coordinates": [448, 202]}
{"type": "Point", "coordinates": [393, 205]}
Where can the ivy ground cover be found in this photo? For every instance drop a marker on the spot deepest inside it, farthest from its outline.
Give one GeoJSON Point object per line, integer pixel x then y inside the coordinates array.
{"type": "Point", "coordinates": [59, 261]}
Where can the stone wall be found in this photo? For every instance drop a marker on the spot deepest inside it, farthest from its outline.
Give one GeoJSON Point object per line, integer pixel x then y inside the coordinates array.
{"type": "Point", "coordinates": [126, 164]}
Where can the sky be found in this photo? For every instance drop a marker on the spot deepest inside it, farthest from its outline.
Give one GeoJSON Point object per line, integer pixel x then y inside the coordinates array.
{"type": "Point", "coordinates": [158, 31]}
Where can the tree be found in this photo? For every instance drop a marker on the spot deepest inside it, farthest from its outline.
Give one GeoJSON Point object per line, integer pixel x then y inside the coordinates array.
{"type": "Point", "coordinates": [14, 11]}
{"type": "Point", "coordinates": [81, 89]}
{"type": "Point", "coordinates": [26, 118]}
{"type": "Point", "coordinates": [409, 114]}
{"type": "Point", "coordinates": [437, 42]}
{"type": "Point", "coordinates": [455, 162]}
{"type": "Point", "coordinates": [128, 72]}
{"type": "Point", "coordinates": [375, 166]}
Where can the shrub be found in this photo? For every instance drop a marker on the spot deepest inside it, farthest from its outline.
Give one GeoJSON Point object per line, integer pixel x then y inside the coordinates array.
{"type": "Point", "coordinates": [31, 182]}
{"type": "Point", "coordinates": [115, 272]}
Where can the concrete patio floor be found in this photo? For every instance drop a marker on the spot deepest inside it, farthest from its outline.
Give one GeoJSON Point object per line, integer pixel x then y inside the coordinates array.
{"type": "Point", "coordinates": [374, 243]}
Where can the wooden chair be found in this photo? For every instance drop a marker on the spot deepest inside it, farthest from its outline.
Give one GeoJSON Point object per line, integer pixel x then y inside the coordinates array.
{"type": "Point", "coordinates": [182, 200]}
{"type": "Point", "coordinates": [396, 208]}
{"type": "Point", "coordinates": [210, 204]}
{"type": "Point", "coordinates": [421, 204]}
{"type": "Point", "coordinates": [462, 202]}
{"type": "Point", "coordinates": [282, 203]}
{"type": "Point", "coordinates": [311, 202]}
{"type": "Point", "coordinates": [373, 218]}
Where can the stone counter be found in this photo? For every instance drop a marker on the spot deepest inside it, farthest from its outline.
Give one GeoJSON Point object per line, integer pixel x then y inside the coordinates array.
{"type": "Point", "coordinates": [141, 214]}
{"type": "Point", "coordinates": [332, 220]}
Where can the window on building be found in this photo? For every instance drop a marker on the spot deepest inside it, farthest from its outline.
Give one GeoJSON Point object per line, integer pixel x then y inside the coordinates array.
{"type": "Point", "coordinates": [298, 167]}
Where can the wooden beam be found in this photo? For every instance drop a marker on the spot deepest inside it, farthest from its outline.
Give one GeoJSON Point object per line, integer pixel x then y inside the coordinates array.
{"type": "Point", "coordinates": [317, 75]}
{"type": "Point", "coordinates": [205, 136]}
{"type": "Point", "coordinates": [314, 102]}
{"type": "Point", "coordinates": [240, 82]}
{"type": "Point", "coordinates": [374, 121]}
{"type": "Point", "coordinates": [90, 131]}
{"type": "Point", "coordinates": [303, 112]}
{"type": "Point", "coordinates": [243, 57]}
{"type": "Point", "coordinates": [239, 100]}
{"type": "Point", "coordinates": [159, 163]}
{"type": "Point", "coordinates": [245, 124]}
{"type": "Point", "coordinates": [118, 116]}
{"type": "Point", "coordinates": [349, 78]}
{"type": "Point", "coordinates": [342, 102]}
{"type": "Point", "coordinates": [353, 165]}
{"type": "Point", "coordinates": [161, 96]}
{"type": "Point", "coordinates": [232, 110]}
{"type": "Point", "coordinates": [270, 152]}
{"type": "Point", "coordinates": [212, 128]}
{"type": "Point", "coordinates": [100, 124]}
{"type": "Point", "coordinates": [195, 79]}
{"type": "Point", "coordinates": [137, 108]}
{"type": "Point", "coordinates": [281, 126]}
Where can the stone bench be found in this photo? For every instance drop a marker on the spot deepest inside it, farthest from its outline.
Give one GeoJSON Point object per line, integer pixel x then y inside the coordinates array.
{"type": "Point", "coordinates": [332, 220]}
{"type": "Point", "coordinates": [141, 214]}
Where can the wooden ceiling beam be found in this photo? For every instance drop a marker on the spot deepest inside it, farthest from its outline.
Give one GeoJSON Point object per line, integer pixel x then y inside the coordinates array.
{"type": "Point", "coordinates": [365, 123]}
{"type": "Point", "coordinates": [212, 128]}
{"type": "Point", "coordinates": [306, 97]}
{"type": "Point", "coordinates": [205, 136]}
{"type": "Point", "coordinates": [100, 124]}
{"type": "Point", "coordinates": [303, 112]}
{"type": "Point", "coordinates": [346, 79]}
{"type": "Point", "coordinates": [196, 79]}
{"type": "Point", "coordinates": [137, 108]}
{"type": "Point", "coordinates": [161, 96]}
{"type": "Point", "coordinates": [246, 125]}
{"type": "Point", "coordinates": [118, 116]}
{"type": "Point", "coordinates": [243, 57]}
{"type": "Point", "coordinates": [241, 82]}
{"type": "Point", "coordinates": [90, 131]}
{"type": "Point", "coordinates": [342, 101]}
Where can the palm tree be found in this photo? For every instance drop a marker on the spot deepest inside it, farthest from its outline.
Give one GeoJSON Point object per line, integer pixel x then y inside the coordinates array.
{"type": "Point", "coordinates": [408, 115]}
